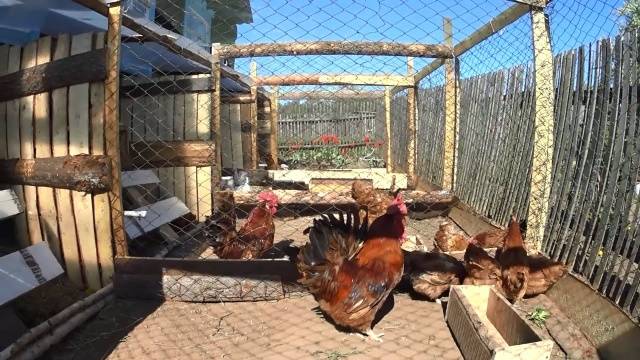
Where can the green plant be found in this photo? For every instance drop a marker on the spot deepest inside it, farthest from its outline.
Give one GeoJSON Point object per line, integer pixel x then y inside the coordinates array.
{"type": "Point", "coordinates": [539, 316]}
{"type": "Point", "coordinates": [631, 11]}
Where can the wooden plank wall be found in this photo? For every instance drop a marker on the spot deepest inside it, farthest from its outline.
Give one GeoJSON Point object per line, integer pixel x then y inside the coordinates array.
{"type": "Point", "coordinates": [594, 220]}
{"type": "Point", "coordinates": [495, 143]}
{"type": "Point", "coordinates": [430, 124]}
{"type": "Point", "coordinates": [399, 131]}
{"type": "Point", "coordinates": [183, 116]}
{"type": "Point", "coordinates": [65, 121]}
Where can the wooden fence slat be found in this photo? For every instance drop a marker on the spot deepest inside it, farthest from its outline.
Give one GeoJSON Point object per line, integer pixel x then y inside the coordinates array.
{"type": "Point", "coordinates": [79, 138]}
{"type": "Point", "coordinates": [191, 133]}
{"type": "Point", "coordinates": [236, 136]}
{"type": "Point", "coordinates": [60, 137]}
{"type": "Point", "coordinates": [42, 123]}
{"type": "Point", "coordinates": [27, 146]}
{"type": "Point", "coordinates": [203, 174]}
{"type": "Point", "coordinates": [178, 134]}
{"type": "Point", "coordinates": [165, 132]}
{"type": "Point", "coordinates": [13, 146]}
{"type": "Point", "coordinates": [101, 205]}
{"type": "Point", "coordinates": [4, 65]}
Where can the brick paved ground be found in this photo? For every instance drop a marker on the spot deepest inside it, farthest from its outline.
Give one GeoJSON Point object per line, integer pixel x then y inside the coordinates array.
{"type": "Point", "coordinates": [287, 329]}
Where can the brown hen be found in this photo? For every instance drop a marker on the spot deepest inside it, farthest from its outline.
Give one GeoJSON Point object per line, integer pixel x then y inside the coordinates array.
{"type": "Point", "coordinates": [543, 274]}
{"type": "Point", "coordinates": [481, 268]}
{"type": "Point", "coordinates": [449, 239]}
{"type": "Point", "coordinates": [513, 261]}
{"type": "Point", "coordinates": [432, 274]}
{"type": "Point", "coordinates": [371, 200]}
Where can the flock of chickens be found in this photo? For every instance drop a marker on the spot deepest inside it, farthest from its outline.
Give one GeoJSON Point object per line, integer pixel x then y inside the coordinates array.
{"type": "Point", "coordinates": [353, 261]}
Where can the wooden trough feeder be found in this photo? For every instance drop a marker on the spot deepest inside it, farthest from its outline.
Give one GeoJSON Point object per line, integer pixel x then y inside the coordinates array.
{"type": "Point", "coordinates": [486, 326]}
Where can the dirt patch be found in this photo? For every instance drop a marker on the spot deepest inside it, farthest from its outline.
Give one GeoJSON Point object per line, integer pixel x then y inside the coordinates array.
{"type": "Point", "coordinates": [47, 300]}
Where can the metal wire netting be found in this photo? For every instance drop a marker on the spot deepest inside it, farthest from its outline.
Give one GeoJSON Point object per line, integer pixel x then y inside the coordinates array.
{"type": "Point", "coordinates": [306, 126]}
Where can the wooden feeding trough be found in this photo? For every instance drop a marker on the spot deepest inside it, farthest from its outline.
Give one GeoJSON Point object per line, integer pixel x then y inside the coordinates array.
{"type": "Point", "coordinates": [486, 326]}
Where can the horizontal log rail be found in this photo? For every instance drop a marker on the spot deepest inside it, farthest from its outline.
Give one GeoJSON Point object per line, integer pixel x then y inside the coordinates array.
{"type": "Point", "coordinates": [321, 79]}
{"type": "Point", "coordinates": [77, 69]}
{"type": "Point", "coordinates": [336, 48]}
{"type": "Point", "coordinates": [86, 173]}
{"type": "Point", "coordinates": [341, 94]}
{"type": "Point", "coordinates": [161, 154]}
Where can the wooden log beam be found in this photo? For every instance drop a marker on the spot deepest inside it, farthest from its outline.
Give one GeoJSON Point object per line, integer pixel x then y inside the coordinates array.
{"type": "Point", "coordinates": [215, 158]}
{"type": "Point", "coordinates": [76, 69]}
{"type": "Point", "coordinates": [321, 79]}
{"type": "Point", "coordinates": [341, 94]}
{"type": "Point", "coordinates": [170, 153]}
{"type": "Point", "coordinates": [336, 48]}
{"type": "Point", "coordinates": [387, 127]}
{"type": "Point", "coordinates": [450, 113]}
{"type": "Point", "coordinates": [273, 131]}
{"type": "Point", "coordinates": [411, 128]}
{"type": "Point", "coordinates": [542, 164]}
{"type": "Point", "coordinates": [86, 173]}
{"type": "Point", "coordinates": [253, 140]}
{"type": "Point", "coordinates": [112, 127]}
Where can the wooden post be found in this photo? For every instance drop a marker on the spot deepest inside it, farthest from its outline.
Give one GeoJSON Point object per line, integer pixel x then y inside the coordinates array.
{"type": "Point", "coordinates": [215, 119]}
{"type": "Point", "coordinates": [387, 127]}
{"type": "Point", "coordinates": [112, 126]}
{"type": "Point", "coordinates": [411, 129]}
{"type": "Point", "coordinates": [450, 113]}
{"type": "Point", "coordinates": [254, 116]}
{"type": "Point", "coordinates": [543, 131]}
{"type": "Point", "coordinates": [273, 137]}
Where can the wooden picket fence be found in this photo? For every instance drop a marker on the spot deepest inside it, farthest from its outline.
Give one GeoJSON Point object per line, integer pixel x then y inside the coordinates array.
{"type": "Point", "coordinates": [63, 121]}
{"type": "Point", "coordinates": [594, 220]}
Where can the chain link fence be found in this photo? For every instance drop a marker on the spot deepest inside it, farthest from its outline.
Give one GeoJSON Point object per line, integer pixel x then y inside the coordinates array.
{"type": "Point", "coordinates": [471, 125]}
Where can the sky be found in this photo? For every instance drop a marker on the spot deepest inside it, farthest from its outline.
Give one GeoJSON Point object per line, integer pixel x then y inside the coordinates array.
{"type": "Point", "coordinates": [573, 22]}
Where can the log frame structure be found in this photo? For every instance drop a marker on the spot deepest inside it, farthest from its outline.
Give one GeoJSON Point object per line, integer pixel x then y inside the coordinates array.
{"type": "Point", "coordinates": [335, 48]}
{"type": "Point", "coordinates": [86, 173]}
{"type": "Point", "coordinates": [543, 133]}
{"type": "Point", "coordinates": [411, 128]}
{"type": "Point", "coordinates": [112, 126]}
{"type": "Point", "coordinates": [451, 105]}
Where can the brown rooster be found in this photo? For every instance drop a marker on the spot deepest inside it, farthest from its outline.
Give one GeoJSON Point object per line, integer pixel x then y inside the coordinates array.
{"type": "Point", "coordinates": [448, 239]}
{"type": "Point", "coordinates": [513, 261]}
{"type": "Point", "coordinates": [255, 237]}
{"type": "Point", "coordinates": [351, 282]}
{"type": "Point", "coordinates": [374, 202]}
{"type": "Point", "coordinates": [432, 274]}
{"type": "Point", "coordinates": [543, 274]}
{"type": "Point", "coordinates": [481, 268]}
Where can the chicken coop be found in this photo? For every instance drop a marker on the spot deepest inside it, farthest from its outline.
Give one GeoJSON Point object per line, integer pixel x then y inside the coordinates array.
{"type": "Point", "coordinates": [180, 150]}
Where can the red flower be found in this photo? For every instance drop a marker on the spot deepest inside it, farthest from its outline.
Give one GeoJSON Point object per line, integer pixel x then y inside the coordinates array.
{"type": "Point", "coordinates": [366, 139]}
{"type": "Point", "coordinates": [329, 139]}
{"type": "Point", "coordinates": [295, 146]}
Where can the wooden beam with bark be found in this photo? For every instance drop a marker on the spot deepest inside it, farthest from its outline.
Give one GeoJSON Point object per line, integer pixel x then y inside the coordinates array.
{"type": "Point", "coordinates": [76, 69]}
{"type": "Point", "coordinates": [336, 48]}
{"type": "Point", "coordinates": [340, 94]}
{"type": "Point", "coordinates": [170, 153]}
{"type": "Point", "coordinates": [347, 79]}
{"type": "Point", "coordinates": [86, 173]}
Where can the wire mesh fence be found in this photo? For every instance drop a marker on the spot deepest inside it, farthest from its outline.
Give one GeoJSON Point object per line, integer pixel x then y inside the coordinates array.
{"type": "Point", "coordinates": [500, 129]}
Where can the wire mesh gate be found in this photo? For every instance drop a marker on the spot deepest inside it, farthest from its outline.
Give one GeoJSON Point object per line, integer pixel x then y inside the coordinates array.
{"type": "Point", "coordinates": [189, 129]}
